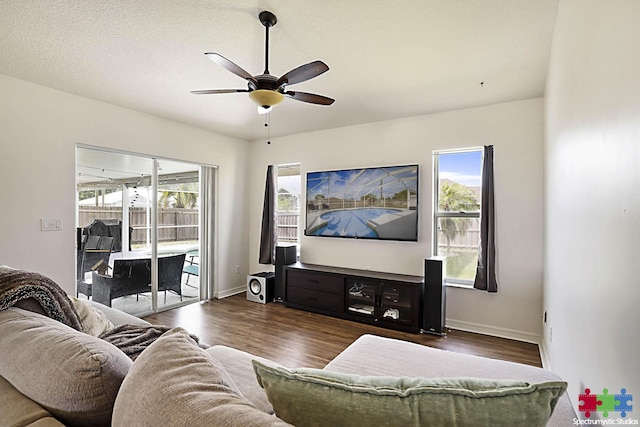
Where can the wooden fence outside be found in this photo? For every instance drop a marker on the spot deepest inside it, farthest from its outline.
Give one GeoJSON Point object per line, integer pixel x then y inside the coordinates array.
{"type": "Point", "coordinates": [288, 227]}
{"type": "Point", "coordinates": [469, 240]}
{"type": "Point", "coordinates": [174, 225]}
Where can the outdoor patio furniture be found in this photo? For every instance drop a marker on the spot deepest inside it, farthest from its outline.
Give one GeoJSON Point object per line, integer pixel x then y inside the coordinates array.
{"type": "Point", "coordinates": [110, 228]}
{"type": "Point", "coordinates": [93, 249]}
{"type": "Point", "coordinates": [192, 268]}
{"type": "Point", "coordinates": [129, 277]}
{"type": "Point", "coordinates": [133, 277]}
{"type": "Point", "coordinates": [170, 274]}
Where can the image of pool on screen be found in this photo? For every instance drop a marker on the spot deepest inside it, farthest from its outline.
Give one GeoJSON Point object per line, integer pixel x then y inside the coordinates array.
{"type": "Point", "coordinates": [368, 203]}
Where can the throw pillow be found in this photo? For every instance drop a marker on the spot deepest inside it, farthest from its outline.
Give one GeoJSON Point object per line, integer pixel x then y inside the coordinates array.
{"type": "Point", "coordinates": [93, 320]}
{"type": "Point", "coordinates": [71, 374]}
{"type": "Point", "coordinates": [174, 382]}
{"type": "Point", "coordinates": [313, 397]}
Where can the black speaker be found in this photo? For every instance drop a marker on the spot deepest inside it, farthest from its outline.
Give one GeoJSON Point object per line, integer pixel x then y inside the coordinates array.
{"type": "Point", "coordinates": [434, 296]}
{"type": "Point", "coordinates": [260, 287]}
{"type": "Point", "coordinates": [285, 255]}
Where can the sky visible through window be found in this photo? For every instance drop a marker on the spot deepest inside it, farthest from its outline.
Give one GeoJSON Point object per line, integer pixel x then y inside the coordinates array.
{"type": "Point", "coordinates": [463, 168]}
{"type": "Point", "coordinates": [290, 183]}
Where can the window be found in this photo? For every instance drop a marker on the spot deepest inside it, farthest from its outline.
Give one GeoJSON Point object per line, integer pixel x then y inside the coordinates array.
{"type": "Point", "coordinates": [457, 190]}
{"type": "Point", "coordinates": [288, 203]}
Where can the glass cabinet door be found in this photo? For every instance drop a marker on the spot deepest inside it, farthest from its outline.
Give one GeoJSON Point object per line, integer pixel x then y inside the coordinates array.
{"type": "Point", "coordinates": [361, 297]}
{"type": "Point", "coordinates": [396, 303]}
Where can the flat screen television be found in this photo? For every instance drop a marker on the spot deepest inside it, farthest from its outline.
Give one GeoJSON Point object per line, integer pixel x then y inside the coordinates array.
{"type": "Point", "coordinates": [378, 203]}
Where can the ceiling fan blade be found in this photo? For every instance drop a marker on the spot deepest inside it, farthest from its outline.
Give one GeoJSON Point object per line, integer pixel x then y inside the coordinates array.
{"type": "Point", "coordinates": [310, 97]}
{"type": "Point", "coordinates": [213, 91]}
{"type": "Point", "coordinates": [303, 73]}
{"type": "Point", "coordinates": [230, 66]}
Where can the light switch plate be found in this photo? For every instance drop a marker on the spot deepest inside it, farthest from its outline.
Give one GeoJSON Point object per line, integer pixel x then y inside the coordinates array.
{"type": "Point", "coordinates": [49, 224]}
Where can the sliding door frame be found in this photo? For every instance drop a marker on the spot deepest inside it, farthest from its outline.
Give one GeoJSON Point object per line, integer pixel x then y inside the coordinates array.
{"type": "Point", "coordinates": [207, 224]}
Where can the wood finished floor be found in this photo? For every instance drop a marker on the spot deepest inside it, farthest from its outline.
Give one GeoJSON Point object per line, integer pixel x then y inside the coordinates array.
{"type": "Point", "coordinates": [297, 338]}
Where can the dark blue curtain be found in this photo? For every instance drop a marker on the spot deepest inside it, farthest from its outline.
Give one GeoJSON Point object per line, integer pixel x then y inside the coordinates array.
{"type": "Point", "coordinates": [486, 271]}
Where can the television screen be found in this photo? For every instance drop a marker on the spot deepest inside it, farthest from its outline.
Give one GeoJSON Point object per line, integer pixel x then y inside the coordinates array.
{"type": "Point", "coordinates": [369, 203]}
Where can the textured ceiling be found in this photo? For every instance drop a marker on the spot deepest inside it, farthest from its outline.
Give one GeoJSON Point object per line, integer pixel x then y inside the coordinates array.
{"type": "Point", "coordinates": [387, 59]}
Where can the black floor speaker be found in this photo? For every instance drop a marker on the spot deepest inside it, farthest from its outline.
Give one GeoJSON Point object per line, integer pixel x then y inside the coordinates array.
{"type": "Point", "coordinates": [434, 296]}
{"type": "Point", "coordinates": [285, 255]}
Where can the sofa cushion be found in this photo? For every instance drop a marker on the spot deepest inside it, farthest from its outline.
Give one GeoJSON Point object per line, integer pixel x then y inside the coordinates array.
{"type": "Point", "coordinates": [118, 317]}
{"type": "Point", "coordinates": [18, 410]}
{"type": "Point", "coordinates": [175, 382]}
{"type": "Point", "coordinates": [313, 397]}
{"type": "Point", "coordinates": [238, 365]}
{"type": "Point", "coordinates": [70, 373]}
{"type": "Point", "coordinates": [375, 355]}
{"type": "Point", "coordinates": [93, 320]}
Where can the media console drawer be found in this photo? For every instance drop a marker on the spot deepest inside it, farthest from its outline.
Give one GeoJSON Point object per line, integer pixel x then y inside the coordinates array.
{"type": "Point", "coordinates": [315, 281]}
{"type": "Point", "coordinates": [315, 299]}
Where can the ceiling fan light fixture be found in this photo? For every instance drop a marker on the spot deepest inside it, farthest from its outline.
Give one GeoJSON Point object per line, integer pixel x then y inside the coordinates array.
{"type": "Point", "coordinates": [266, 98]}
{"type": "Point", "coordinates": [265, 89]}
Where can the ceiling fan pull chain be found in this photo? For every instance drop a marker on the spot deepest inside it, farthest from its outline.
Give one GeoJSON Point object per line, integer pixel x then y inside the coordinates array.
{"type": "Point", "coordinates": [267, 124]}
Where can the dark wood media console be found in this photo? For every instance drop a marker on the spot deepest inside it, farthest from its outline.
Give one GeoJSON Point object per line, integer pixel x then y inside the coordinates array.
{"type": "Point", "coordinates": [384, 299]}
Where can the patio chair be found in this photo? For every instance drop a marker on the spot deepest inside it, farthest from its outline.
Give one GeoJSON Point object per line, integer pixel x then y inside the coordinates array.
{"type": "Point", "coordinates": [94, 249]}
{"type": "Point", "coordinates": [192, 268]}
{"type": "Point", "coordinates": [107, 227]}
{"type": "Point", "coordinates": [170, 274]}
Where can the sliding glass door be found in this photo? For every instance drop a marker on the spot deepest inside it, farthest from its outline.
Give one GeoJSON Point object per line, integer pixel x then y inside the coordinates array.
{"type": "Point", "coordinates": [153, 208]}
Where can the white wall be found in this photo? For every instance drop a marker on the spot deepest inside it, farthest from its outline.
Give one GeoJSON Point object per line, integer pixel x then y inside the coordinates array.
{"type": "Point", "coordinates": [592, 197]}
{"type": "Point", "coordinates": [39, 129]}
{"type": "Point", "coordinates": [516, 131]}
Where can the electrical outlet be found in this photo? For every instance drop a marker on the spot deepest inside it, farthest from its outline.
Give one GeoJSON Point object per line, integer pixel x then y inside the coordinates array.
{"type": "Point", "coordinates": [550, 334]}
{"type": "Point", "coordinates": [237, 269]}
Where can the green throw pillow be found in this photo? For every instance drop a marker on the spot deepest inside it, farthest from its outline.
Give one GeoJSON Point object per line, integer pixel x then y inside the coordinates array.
{"type": "Point", "coordinates": [313, 397]}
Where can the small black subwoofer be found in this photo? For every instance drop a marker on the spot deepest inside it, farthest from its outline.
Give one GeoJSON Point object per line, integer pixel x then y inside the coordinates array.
{"type": "Point", "coordinates": [260, 287]}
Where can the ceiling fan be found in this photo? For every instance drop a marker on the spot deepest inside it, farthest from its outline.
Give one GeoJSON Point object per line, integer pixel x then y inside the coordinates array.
{"type": "Point", "coordinates": [267, 90]}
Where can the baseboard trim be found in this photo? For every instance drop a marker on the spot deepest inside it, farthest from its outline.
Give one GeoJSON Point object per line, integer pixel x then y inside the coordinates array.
{"type": "Point", "coordinates": [477, 328]}
{"type": "Point", "coordinates": [230, 292]}
{"type": "Point", "coordinates": [544, 356]}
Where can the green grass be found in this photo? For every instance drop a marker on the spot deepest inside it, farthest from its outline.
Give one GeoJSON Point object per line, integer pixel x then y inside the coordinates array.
{"type": "Point", "coordinates": [462, 264]}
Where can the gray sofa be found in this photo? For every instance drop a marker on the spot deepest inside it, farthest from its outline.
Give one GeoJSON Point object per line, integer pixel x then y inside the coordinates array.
{"type": "Point", "coordinates": [174, 382]}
